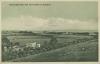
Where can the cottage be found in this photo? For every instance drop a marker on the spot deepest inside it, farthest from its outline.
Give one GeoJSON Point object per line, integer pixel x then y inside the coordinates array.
{"type": "Point", "coordinates": [33, 45]}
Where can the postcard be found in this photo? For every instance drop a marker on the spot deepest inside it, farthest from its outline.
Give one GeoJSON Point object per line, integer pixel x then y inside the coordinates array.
{"type": "Point", "coordinates": [49, 31]}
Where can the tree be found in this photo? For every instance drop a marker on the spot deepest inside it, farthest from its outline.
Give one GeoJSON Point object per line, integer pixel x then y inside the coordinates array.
{"type": "Point", "coordinates": [17, 43]}
{"type": "Point", "coordinates": [6, 42]}
{"type": "Point", "coordinates": [53, 42]}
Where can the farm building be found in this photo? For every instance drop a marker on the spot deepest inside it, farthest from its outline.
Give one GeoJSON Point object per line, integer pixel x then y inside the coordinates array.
{"type": "Point", "coordinates": [33, 45]}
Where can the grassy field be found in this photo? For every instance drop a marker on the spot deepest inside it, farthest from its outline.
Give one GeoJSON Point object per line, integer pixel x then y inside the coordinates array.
{"type": "Point", "coordinates": [62, 47]}
{"type": "Point", "coordinates": [86, 51]}
{"type": "Point", "coordinates": [42, 39]}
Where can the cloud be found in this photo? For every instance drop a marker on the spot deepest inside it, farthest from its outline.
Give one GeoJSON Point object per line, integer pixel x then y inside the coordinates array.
{"type": "Point", "coordinates": [36, 23]}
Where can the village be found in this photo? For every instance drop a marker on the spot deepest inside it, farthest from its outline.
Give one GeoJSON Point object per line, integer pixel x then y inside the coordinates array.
{"type": "Point", "coordinates": [21, 44]}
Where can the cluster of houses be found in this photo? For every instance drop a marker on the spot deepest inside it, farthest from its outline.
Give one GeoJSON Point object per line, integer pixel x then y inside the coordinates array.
{"type": "Point", "coordinates": [17, 48]}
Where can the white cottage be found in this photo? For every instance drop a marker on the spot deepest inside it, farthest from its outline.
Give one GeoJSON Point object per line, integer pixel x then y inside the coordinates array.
{"type": "Point", "coordinates": [33, 45]}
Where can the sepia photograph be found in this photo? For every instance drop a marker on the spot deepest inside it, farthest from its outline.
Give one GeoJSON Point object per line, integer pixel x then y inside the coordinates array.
{"type": "Point", "coordinates": [49, 31]}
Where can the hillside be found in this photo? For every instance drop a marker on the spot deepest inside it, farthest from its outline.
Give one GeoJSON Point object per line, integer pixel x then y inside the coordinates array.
{"type": "Point", "coordinates": [86, 51]}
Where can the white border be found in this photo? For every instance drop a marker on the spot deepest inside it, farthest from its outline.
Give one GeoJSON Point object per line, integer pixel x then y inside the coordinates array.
{"type": "Point", "coordinates": [49, 0]}
{"type": "Point", "coordinates": [52, 62]}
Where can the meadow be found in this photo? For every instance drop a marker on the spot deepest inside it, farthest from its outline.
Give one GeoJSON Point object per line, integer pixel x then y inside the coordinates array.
{"type": "Point", "coordinates": [55, 47]}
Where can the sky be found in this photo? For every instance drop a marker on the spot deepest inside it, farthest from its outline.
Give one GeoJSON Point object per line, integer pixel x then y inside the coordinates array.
{"type": "Point", "coordinates": [71, 16]}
